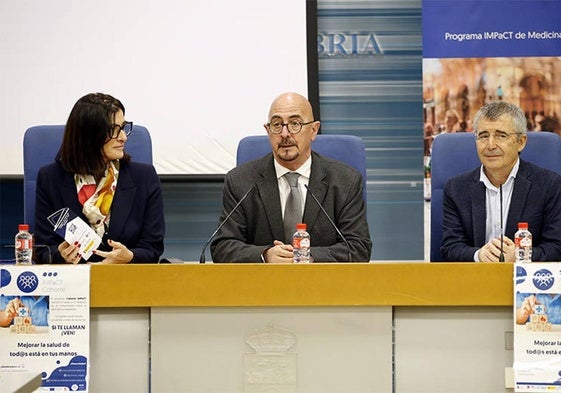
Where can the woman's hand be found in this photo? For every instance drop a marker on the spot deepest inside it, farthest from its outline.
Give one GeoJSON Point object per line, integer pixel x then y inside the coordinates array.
{"type": "Point", "coordinates": [69, 252]}
{"type": "Point", "coordinates": [120, 253]}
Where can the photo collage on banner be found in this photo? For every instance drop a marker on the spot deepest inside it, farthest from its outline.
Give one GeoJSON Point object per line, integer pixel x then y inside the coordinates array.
{"type": "Point", "coordinates": [475, 52]}
{"type": "Point", "coordinates": [471, 57]}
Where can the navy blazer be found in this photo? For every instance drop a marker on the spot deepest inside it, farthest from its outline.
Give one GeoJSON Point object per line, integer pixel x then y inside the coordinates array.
{"type": "Point", "coordinates": [258, 221]}
{"type": "Point", "coordinates": [536, 199]}
{"type": "Point", "coordinates": [137, 212]}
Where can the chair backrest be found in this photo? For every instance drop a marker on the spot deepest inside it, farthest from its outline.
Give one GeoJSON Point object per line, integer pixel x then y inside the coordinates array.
{"type": "Point", "coordinates": [349, 149]}
{"type": "Point", "coordinates": [456, 153]}
{"type": "Point", "coordinates": [41, 145]}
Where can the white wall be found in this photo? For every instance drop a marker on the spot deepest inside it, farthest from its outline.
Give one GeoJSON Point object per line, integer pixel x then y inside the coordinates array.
{"type": "Point", "coordinates": [198, 74]}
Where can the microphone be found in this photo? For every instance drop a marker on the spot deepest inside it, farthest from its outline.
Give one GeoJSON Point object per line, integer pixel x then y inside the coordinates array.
{"type": "Point", "coordinates": [331, 222]}
{"type": "Point", "coordinates": [502, 254]}
{"type": "Point", "coordinates": [202, 258]}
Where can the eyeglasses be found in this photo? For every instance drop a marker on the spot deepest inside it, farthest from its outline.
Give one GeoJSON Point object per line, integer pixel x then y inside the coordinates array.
{"type": "Point", "coordinates": [294, 126]}
{"type": "Point", "coordinates": [117, 128]}
{"type": "Point", "coordinates": [498, 136]}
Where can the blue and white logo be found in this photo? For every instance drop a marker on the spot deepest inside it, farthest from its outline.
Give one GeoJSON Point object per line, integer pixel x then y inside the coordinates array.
{"type": "Point", "coordinates": [521, 275]}
{"type": "Point", "coordinates": [27, 282]}
{"type": "Point", "coordinates": [543, 279]}
{"type": "Point", "coordinates": [5, 278]}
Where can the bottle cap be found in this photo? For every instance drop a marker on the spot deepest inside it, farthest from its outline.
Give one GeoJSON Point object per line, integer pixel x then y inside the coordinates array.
{"type": "Point", "coordinates": [23, 227]}
{"type": "Point", "coordinates": [301, 226]}
{"type": "Point", "coordinates": [522, 225]}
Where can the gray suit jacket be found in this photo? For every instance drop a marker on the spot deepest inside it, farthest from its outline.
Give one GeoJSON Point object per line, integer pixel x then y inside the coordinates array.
{"type": "Point", "coordinates": [536, 199]}
{"type": "Point", "coordinates": [258, 220]}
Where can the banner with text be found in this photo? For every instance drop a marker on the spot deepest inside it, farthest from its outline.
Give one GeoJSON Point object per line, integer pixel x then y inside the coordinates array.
{"type": "Point", "coordinates": [477, 51]}
{"type": "Point", "coordinates": [471, 28]}
{"type": "Point", "coordinates": [537, 327]}
{"type": "Point", "coordinates": [44, 324]}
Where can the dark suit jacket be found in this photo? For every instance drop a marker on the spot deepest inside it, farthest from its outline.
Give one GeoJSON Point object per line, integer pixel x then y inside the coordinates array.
{"type": "Point", "coordinates": [536, 199]}
{"type": "Point", "coordinates": [137, 213]}
{"type": "Point", "coordinates": [258, 220]}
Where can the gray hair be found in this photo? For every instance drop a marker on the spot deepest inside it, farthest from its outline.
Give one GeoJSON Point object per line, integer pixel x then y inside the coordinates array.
{"type": "Point", "coordinates": [496, 109]}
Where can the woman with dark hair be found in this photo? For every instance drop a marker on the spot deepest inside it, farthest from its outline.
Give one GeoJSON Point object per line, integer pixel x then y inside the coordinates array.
{"type": "Point", "coordinates": [93, 176]}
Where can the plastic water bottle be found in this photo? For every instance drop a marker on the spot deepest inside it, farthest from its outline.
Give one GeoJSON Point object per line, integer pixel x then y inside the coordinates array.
{"type": "Point", "coordinates": [23, 245]}
{"type": "Point", "coordinates": [301, 244]}
{"type": "Point", "coordinates": [523, 243]}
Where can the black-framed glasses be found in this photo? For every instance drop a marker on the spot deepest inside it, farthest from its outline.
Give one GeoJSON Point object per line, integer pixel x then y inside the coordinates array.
{"type": "Point", "coordinates": [294, 126]}
{"type": "Point", "coordinates": [116, 129]}
{"type": "Point", "coordinates": [498, 136]}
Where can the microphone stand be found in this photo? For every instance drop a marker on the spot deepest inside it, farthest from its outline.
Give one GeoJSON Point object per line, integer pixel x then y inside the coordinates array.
{"type": "Point", "coordinates": [502, 254]}
{"type": "Point", "coordinates": [332, 223]}
{"type": "Point", "coordinates": [202, 257]}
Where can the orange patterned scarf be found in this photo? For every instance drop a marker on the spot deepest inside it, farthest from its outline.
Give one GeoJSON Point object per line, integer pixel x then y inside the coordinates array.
{"type": "Point", "coordinates": [97, 198]}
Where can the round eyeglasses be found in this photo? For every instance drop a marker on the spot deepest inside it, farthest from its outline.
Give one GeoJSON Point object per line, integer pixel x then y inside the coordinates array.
{"type": "Point", "coordinates": [294, 126]}
{"type": "Point", "coordinates": [116, 129]}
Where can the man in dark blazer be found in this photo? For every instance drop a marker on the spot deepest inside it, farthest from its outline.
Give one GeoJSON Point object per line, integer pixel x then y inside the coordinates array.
{"type": "Point", "coordinates": [255, 232]}
{"type": "Point", "coordinates": [471, 201]}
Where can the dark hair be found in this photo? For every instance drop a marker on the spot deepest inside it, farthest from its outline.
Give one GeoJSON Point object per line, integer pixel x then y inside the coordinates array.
{"type": "Point", "coordinates": [85, 133]}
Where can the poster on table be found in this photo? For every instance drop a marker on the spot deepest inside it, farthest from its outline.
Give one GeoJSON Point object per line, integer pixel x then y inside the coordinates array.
{"type": "Point", "coordinates": [477, 51]}
{"type": "Point", "coordinates": [537, 327]}
{"type": "Point", "coordinates": [44, 324]}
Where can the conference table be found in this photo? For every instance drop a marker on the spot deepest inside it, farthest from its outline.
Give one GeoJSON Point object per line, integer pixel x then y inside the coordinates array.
{"type": "Point", "coordinates": [358, 327]}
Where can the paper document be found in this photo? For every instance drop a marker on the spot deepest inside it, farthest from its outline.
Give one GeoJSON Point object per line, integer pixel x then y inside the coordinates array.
{"type": "Point", "coordinates": [74, 230]}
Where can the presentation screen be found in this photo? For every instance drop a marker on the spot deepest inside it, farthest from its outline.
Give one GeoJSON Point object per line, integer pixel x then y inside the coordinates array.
{"type": "Point", "coordinates": [199, 75]}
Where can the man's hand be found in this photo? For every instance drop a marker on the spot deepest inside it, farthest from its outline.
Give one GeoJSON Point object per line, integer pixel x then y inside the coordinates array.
{"type": "Point", "coordinates": [526, 309]}
{"type": "Point", "coordinates": [491, 251]}
{"type": "Point", "coordinates": [13, 306]}
{"type": "Point", "coordinates": [7, 315]}
{"type": "Point", "coordinates": [279, 253]}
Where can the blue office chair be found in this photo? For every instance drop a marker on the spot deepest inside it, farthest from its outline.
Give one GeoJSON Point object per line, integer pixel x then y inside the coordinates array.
{"type": "Point", "coordinates": [345, 148]}
{"type": "Point", "coordinates": [456, 153]}
{"type": "Point", "coordinates": [40, 146]}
